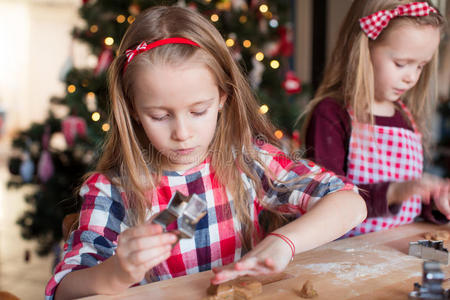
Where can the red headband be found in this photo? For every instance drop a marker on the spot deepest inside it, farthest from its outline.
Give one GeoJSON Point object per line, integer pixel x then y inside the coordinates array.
{"type": "Point", "coordinates": [142, 47]}
{"type": "Point", "coordinates": [373, 24]}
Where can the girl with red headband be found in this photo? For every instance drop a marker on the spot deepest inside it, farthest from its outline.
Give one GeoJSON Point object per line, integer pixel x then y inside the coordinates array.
{"type": "Point", "coordinates": [369, 117]}
{"type": "Point", "coordinates": [183, 118]}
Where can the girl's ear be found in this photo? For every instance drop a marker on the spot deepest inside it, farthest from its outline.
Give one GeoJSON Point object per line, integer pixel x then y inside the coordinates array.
{"type": "Point", "coordinates": [222, 100]}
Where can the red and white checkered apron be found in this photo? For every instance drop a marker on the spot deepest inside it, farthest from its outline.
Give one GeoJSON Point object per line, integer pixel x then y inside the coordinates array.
{"type": "Point", "coordinates": [381, 154]}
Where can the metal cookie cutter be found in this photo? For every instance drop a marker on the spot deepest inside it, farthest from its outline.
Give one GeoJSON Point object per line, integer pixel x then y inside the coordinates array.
{"type": "Point", "coordinates": [431, 288]}
{"type": "Point", "coordinates": [430, 250]}
{"type": "Point", "coordinates": [186, 211]}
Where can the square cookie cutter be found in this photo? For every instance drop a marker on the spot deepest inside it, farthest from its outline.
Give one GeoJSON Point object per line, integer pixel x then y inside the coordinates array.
{"type": "Point", "coordinates": [186, 211]}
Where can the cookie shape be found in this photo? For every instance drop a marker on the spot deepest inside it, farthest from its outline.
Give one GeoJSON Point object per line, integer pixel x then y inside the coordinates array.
{"type": "Point", "coordinates": [438, 235]}
{"type": "Point", "coordinates": [234, 290]}
{"type": "Point", "coordinates": [307, 290]}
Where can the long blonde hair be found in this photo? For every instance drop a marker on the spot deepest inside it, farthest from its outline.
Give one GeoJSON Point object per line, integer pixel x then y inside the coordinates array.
{"type": "Point", "coordinates": [348, 76]}
{"type": "Point", "coordinates": [127, 153]}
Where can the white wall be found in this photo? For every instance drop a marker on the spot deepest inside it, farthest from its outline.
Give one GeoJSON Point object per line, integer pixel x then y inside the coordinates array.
{"type": "Point", "coordinates": [35, 44]}
{"type": "Point", "coordinates": [336, 11]}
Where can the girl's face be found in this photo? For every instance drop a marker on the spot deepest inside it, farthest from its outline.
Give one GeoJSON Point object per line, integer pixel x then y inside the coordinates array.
{"type": "Point", "coordinates": [399, 59]}
{"type": "Point", "coordinates": [178, 108]}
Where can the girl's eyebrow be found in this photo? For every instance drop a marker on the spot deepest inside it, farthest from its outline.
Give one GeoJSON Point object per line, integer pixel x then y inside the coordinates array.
{"type": "Point", "coordinates": [162, 107]}
{"type": "Point", "coordinates": [206, 101]}
{"type": "Point", "coordinates": [411, 60]}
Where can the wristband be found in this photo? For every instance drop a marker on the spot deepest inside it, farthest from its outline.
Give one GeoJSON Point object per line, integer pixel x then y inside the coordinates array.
{"type": "Point", "coordinates": [287, 241]}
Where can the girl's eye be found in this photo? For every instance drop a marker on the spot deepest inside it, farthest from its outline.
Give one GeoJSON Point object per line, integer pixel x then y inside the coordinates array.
{"type": "Point", "coordinates": [199, 113]}
{"type": "Point", "coordinates": [399, 65]}
{"type": "Point", "coordinates": [159, 118]}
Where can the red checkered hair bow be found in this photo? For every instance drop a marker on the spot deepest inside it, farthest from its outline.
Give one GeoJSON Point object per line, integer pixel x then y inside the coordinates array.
{"type": "Point", "coordinates": [142, 47]}
{"type": "Point", "coordinates": [373, 24]}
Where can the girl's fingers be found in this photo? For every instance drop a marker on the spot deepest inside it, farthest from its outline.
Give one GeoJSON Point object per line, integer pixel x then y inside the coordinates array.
{"type": "Point", "coordinates": [140, 257]}
{"type": "Point", "coordinates": [426, 196]}
{"type": "Point", "coordinates": [156, 261]}
{"type": "Point", "coordinates": [442, 204]}
{"type": "Point", "coordinates": [148, 242]}
{"type": "Point", "coordinates": [146, 230]}
{"type": "Point", "coordinates": [270, 264]}
{"type": "Point", "coordinates": [227, 275]}
{"type": "Point", "coordinates": [140, 231]}
{"type": "Point", "coordinates": [254, 263]}
{"type": "Point", "coordinates": [223, 268]}
{"type": "Point", "coordinates": [246, 264]}
{"type": "Point", "coordinates": [250, 266]}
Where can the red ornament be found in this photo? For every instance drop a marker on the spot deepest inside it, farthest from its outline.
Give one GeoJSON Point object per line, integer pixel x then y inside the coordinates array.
{"type": "Point", "coordinates": [285, 45]}
{"type": "Point", "coordinates": [104, 60]}
{"type": "Point", "coordinates": [85, 1]}
{"type": "Point", "coordinates": [73, 126]}
{"type": "Point", "coordinates": [291, 83]}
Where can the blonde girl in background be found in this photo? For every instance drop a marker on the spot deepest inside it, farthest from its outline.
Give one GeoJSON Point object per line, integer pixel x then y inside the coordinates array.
{"type": "Point", "coordinates": [183, 118]}
{"type": "Point", "coordinates": [370, 116]}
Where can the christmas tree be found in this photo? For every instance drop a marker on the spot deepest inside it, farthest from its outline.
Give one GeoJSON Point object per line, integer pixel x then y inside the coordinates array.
{"type": "Point", "coordinates": [54, 155]}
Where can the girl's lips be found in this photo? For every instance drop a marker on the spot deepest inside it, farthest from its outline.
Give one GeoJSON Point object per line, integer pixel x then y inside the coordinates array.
{"type": "Point", "coordinates": [399, 91]}
{"type": "Point", "coordinates": [184, 151]}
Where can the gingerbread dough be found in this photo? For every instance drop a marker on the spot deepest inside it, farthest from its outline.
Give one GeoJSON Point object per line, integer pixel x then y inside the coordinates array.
{"type": "Point", "coordinates": [234, 290]}
{"type": "Point", "coordinates": [307, 290]}
{"type": "Point", "coordinates": [438, 235]}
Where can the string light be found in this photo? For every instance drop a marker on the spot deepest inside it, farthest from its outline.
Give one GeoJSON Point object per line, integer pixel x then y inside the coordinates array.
{"type": "Point", "coordinates": [105, 127]}
{"type": "Point", "coordinates": [91, 102]}
{"type": "Point", "coordinates": [130, 19]}
{"type": "Point", "coordinates": [259, 56]}
{"type": "Point", "coordinates": [71, 89]}
{"type": "Point", "coordinates": [273, 23]}
{"type": "Point", "coordinates": [109, 41]}
{"type": "Point", "coordinates": [120, 19]}
{"type": "Point", "coordinates": [263, 109]}
{"type": "Point", "coordinates": [214, 17]}
{"type": "Point", "coordinates": [263, 8]}
{"type": "Point", "coordinates": [95, 116]}
{"type": "Point", "coordinates": [247, 44]}
{"type": "Point", "coordinates": [243, 19]}
{"type": "Point", "coordinates": [275, 64]}
{"type": "Point", "coordinates": [225, 5]}
{"type": "Point", "coordinates": [93, 28]}
{"type": "Point", "coordinates": [229, 42]}
{"type": "Point", "coordinates": [279, 134]}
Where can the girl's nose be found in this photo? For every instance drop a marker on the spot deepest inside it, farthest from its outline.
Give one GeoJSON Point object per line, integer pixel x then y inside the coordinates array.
{"type": "Point", "coordinates": [180, 131]}
{"type": "Point", "coordinates": [411, 77]}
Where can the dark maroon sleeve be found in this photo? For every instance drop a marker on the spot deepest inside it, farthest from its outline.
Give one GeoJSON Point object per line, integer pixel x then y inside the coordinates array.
{"type": "Point", "coordinates": [326, 141]}
{"type": "Point", "coordinates": [327, 136]}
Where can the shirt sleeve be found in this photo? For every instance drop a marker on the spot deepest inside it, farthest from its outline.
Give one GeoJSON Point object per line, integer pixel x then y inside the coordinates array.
{"type": "Point", "coordinates": [297, 185]}
{"type": "Point", "coordinates": [102, 218]}
{"type": "Point", "coordinates": [327, 142]}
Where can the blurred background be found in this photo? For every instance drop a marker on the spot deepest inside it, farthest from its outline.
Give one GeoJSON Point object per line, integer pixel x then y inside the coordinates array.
{"type": "Point", "coordinates": [54, 55]}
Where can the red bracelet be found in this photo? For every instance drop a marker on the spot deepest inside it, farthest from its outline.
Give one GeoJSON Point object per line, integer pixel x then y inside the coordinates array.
{"type": "Point", "coordinates": [287, 240]}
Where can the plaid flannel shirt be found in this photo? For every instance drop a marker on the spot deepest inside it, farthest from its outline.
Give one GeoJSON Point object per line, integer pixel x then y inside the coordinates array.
{"type": "Point", "coordinates": [216, 242]}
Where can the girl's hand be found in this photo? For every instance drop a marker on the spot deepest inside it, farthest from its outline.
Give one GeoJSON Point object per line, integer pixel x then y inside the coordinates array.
{"type": "Point", "coordinates": [139, 249]}
{"type": "Point", "coordinates": [270, 256]}
{"type": "Point", "coordinates": [439, 190]}
{"type": "Point", "coordinates": [428, 187]}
